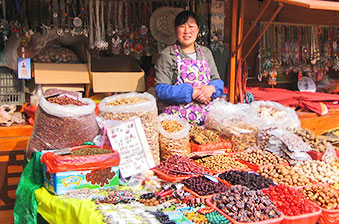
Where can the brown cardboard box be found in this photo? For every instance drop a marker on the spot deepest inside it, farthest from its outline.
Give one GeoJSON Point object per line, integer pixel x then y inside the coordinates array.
{"type": "Point", "coordinates": [62, 76]}
{"type": "Point", "coordinates": [116, 74]}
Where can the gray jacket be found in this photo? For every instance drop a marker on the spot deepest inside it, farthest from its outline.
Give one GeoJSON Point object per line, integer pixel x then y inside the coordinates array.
{"type": "Point", "coordinates": [166, 70]}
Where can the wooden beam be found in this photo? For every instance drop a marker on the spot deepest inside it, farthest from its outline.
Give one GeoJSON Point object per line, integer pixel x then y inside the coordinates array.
{"type": "Point", "coordinates": [233, 46]}
{"type": "Point", "coordinates": [254, 24]}
{"type": "Point", "coordinates": [313, 4]}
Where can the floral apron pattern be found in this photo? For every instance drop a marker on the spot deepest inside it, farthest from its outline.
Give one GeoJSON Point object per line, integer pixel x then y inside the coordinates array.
{"type": "Point", "coordinates": [195, 73]}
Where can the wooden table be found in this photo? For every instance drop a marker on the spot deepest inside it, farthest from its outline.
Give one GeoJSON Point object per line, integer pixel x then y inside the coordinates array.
{"type": "Point", "coordinates": [13, 142]}
{"type": "Point", "coordinates": [319, 124]}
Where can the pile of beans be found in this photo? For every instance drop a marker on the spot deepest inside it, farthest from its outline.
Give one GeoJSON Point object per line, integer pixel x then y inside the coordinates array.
{"type": "Point", "coordinates": [251, 180]}
{"type": "Point", "coordinates": [203, 186]}
{"type": "Point", "coordinates": [182, 164]}
{"type": "Point", "coordinates": [65, 100]}
{"type": "Point", "coordinates": [325, 197]}
{"type": "Point", "coordinates": [245, 205]}
{"type": "Point", "coordinates": [317, 144]}
{"type": "Point", "coordinates": [284, 175]}
{"type": "Point", "coordinates": [260, 157]}
{"type": "Point", "coordinates": [126, 101]}
{"type": "Point", "coordinates": [100, 177]}
{"type": "Point", "coordinates": [289, 200]}
{"type": "Point", "coordinates": [220, 162]}
{"type": "Point", "coordinates": [90, 151]}
{"type": "Point", "coordinates": [318, 171]}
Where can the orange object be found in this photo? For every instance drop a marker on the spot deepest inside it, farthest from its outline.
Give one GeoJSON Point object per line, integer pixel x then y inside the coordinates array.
{"type": "Point", "coordinates": [227, 145]}
{"type": "Point", "coordinates": [329, 216]}
{"type": "Point", "coordinates": [170, 178]}
{"type": "Point", "coordinates": [57, 163]}
{"type": "Point", "coordinates": [269, 221]}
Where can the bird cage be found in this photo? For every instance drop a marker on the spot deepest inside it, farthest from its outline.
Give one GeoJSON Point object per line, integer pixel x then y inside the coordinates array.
{"type": "Point", "coordinates": [11, 88]}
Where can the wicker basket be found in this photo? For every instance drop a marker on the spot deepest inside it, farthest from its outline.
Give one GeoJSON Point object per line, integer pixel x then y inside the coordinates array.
{"type": "Point", "coordinates": [11, 88]}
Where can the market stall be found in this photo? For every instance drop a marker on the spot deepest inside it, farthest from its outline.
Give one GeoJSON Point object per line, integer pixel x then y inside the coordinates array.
{"type": "Point", "coordinates": [250, 163]}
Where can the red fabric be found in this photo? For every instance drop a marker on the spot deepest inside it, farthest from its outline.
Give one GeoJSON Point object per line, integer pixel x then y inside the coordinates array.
{"type": "Point", "coordinates": [304, 100]}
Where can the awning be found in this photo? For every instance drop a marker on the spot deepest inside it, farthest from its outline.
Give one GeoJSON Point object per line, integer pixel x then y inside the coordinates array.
{"type": "Point", "coordinates": [313, 4]}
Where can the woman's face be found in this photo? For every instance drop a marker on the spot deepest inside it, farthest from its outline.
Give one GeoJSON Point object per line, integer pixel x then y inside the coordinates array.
{"type": "Point", "coordinates": [187, 33]}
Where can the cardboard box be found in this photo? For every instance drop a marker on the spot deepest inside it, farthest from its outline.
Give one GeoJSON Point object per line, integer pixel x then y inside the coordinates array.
{"type": "Point", "coordinates": [63, 182]}
{"type": "Point", "coordinates": [61, 76]}
{"type": "Point", "coordinates": [116, 74]}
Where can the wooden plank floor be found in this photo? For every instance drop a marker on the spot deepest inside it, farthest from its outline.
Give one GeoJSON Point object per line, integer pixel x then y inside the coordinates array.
{"type": "Point", "coordinates": [6, 217]}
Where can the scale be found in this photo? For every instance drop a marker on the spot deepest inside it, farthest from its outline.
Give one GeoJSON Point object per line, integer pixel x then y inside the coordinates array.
{"type": "Point", "coordinates": [306, 84]}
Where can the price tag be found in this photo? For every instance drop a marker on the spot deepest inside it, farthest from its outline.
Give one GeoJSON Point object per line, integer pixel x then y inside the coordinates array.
{"type": "Point", "coordinates": [24, 68]}
{"type": "Point", "coordinates": [129, 139]}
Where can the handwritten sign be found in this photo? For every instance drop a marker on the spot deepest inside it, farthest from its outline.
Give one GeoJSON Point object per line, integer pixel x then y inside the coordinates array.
{"type": "Point", "coordinates": [129, 139]}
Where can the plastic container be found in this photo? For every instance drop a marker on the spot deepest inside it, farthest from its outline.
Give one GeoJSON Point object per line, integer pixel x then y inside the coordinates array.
{"type": "Point", "coordinates": [310, 218]}
{"type": "Point", "coordinates": [269, 221]}
{"type": "Point", "coordinates": [11, 88]}
{"type": "Point", "coordinates": [224, 144]}
{"type": "Point", "coordinates": [256, 167]}
{"type": "Point", "coordinates": [329, 216]}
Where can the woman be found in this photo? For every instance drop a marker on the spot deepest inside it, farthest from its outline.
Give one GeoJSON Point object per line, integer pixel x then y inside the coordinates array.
{"type": "Point", "coordinates": [186, 75]}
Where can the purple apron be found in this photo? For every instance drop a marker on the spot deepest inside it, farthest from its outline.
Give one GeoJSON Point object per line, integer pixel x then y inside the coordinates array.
{"type": "Point", "coordinates": [196, 73]}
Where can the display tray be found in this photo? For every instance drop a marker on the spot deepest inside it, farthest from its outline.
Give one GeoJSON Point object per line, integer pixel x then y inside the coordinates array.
{"type": "Point", "coordinates": [256, 167]}
{"type": "Point", "coordinates": [310, 218]}
{"type": "Point", "coordinates": [224, 144]}
{"type": "Point", "coordinates": [269, 221]}
{"type": "Point", "coordinates": [170, 178]}
{"type": "Point", "coordinates": [206, 196]}
{"type": "Point", "coordinates": [329, 216]}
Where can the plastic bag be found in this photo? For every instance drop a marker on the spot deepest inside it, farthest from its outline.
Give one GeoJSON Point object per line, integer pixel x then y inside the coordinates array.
{"type": "Point", "coordinates": [172, 143]}
{"type": "Point", "coordinates": [63, 163]}
{"type": "Point", "coordinates": [272, 114]}
{"type": "Point", "coordinates": [61, 126]}
{"type": "Point", "coordinates": [232, 122]}
{"type": "Point", "coordinates": [330, 154]}
{"type": "Point", "coordinates": [25, 209]}
{"type": "Point", "coordinates": [125, 106]}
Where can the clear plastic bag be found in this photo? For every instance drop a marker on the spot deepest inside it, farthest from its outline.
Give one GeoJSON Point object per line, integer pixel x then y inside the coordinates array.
{"type": "Point", "coordinates": [125, 106]}
{"type": "Point", "coordinates": [232, 122]}
{"type": "Point", "coordinates": [330, 154]}
{"type": "Point", "coordinates": [60, 126]}
{"type": "Point", "coordinates": [271, 114]}
{"type": "Point", "coordinates": [172, 143]}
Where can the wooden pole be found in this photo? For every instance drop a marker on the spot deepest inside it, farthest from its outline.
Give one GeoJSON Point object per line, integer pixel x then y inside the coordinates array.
{"type": "Point", "coordinates": [264, 30]}
{"type": "Point", "coordinates": [233, 46]}
{"type": "Point", "coordinates": [238, 89]}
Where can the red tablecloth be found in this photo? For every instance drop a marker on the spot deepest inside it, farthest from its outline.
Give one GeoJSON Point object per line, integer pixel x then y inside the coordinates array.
{"type": "Point", "coordinates": [316, 102]}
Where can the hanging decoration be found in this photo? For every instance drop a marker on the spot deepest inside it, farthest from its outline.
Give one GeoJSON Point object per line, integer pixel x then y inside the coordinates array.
{"type": "Point", "coordinates": [303, 50]}
{"type": "Point", "coordinates": [217, 25]}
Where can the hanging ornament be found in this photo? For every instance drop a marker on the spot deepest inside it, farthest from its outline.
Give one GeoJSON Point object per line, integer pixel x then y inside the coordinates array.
{"type": "Point", "coordinates": [272, 80]}
{"type": "Point", "coordinates": [77, 22]}
{"type": "Point", "coordinates": [127, 49]}
{"type": "Point", "coordinates": [116, 44]}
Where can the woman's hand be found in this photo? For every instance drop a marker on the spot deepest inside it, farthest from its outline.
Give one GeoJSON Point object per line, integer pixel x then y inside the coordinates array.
{"type": "Point", "coordinates": [206, 94]}
{"type": "Point", "coordinates": [196, 93]}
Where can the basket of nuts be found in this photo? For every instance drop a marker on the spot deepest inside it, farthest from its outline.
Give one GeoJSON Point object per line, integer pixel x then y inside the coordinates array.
{"type": "Point", "coordinates": [257, 159]}
{"type": "Point", "coordinates": [207, 140]}
{"type": "Point", "coordinates": [327, 199]}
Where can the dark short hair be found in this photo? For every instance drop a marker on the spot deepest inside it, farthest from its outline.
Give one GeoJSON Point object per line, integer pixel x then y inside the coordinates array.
{"type": "Point", "coordinates": [183, 16]}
